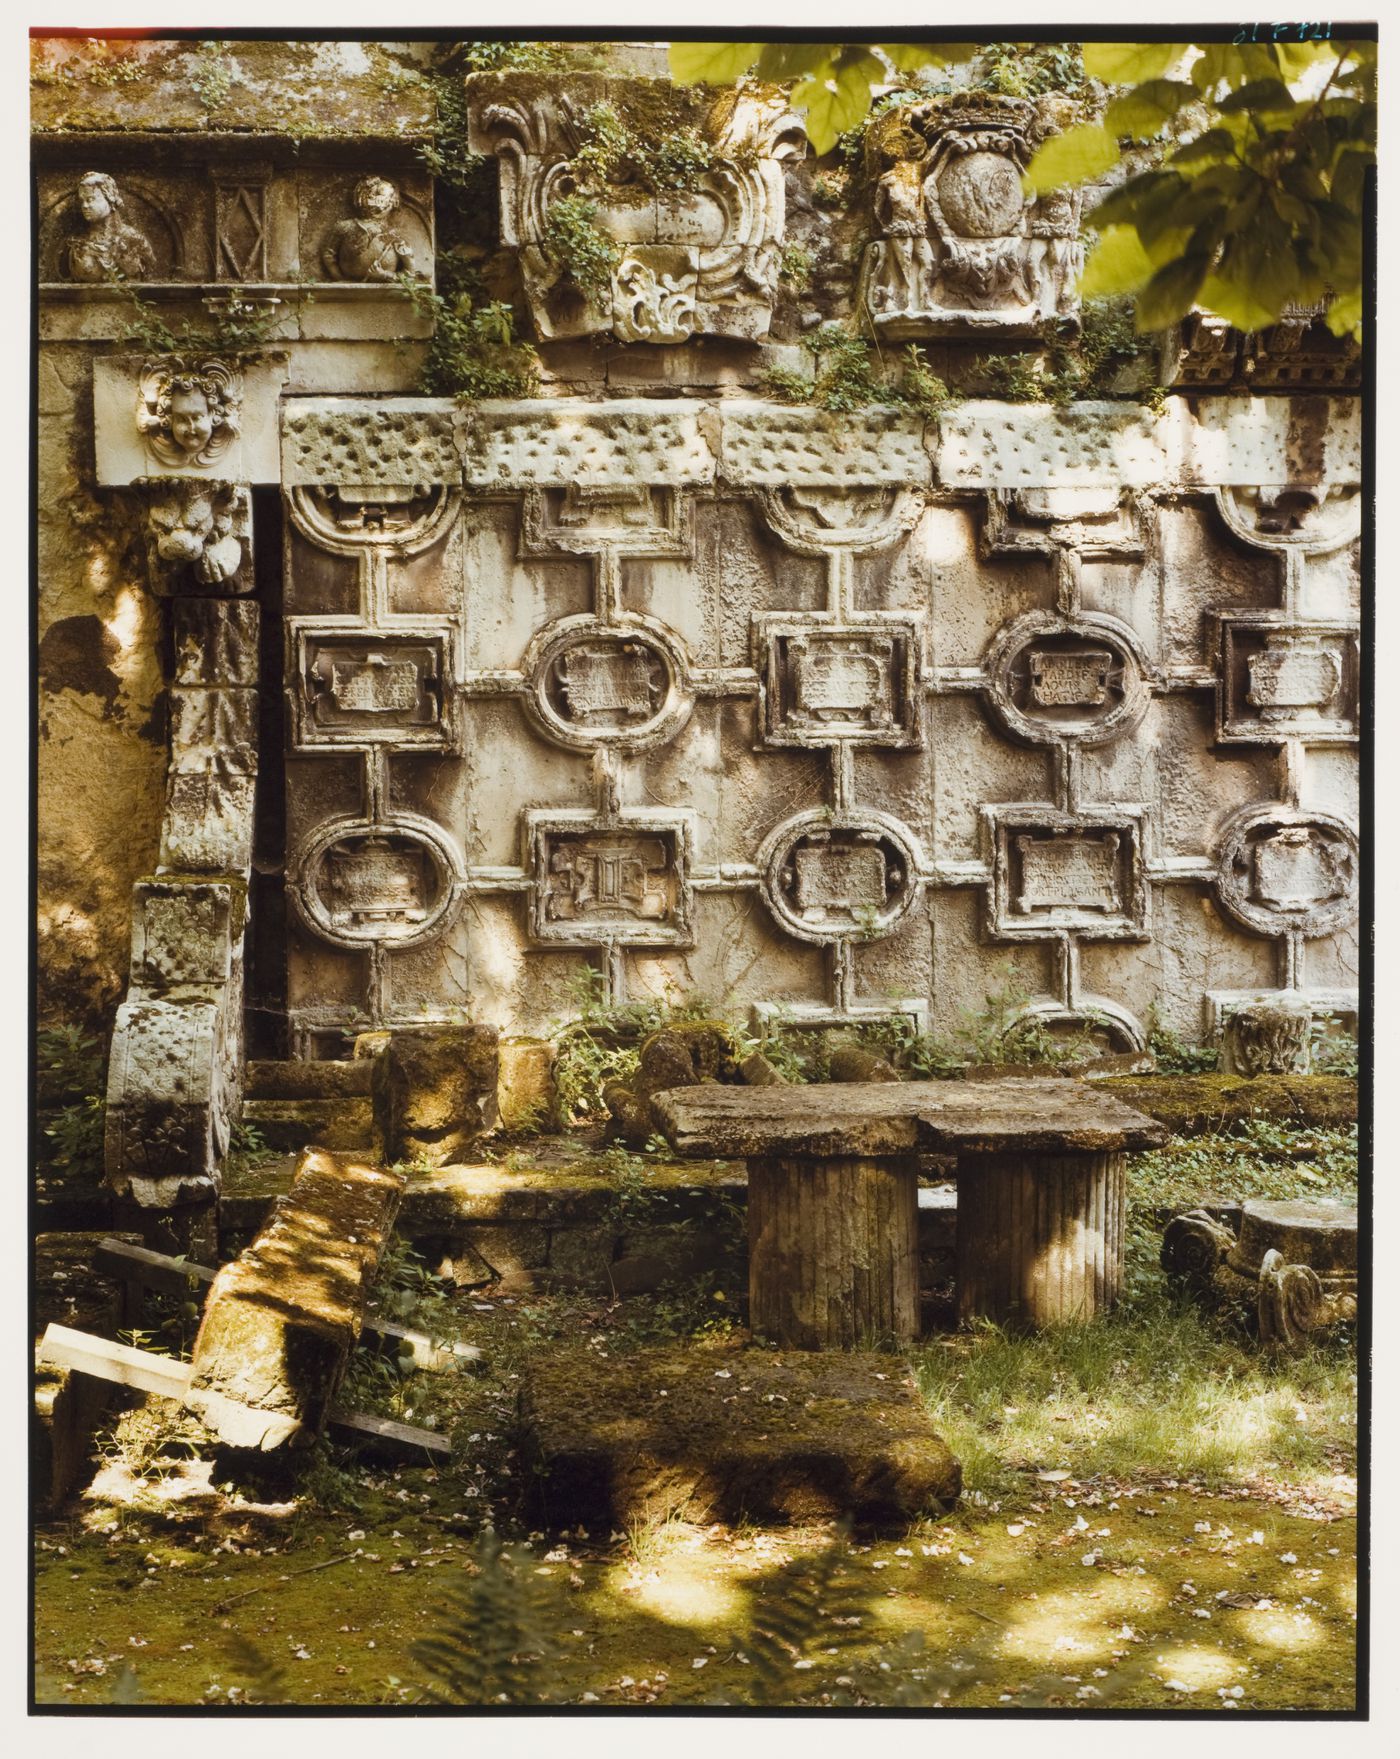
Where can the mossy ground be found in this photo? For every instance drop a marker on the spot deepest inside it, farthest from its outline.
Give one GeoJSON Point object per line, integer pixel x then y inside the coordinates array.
{"type": "Point", "coordinates": [1156, 1514]}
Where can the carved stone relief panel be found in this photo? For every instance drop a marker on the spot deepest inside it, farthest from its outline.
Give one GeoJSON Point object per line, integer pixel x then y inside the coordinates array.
{"type": "Point", "coordinates": [1285, 678]}
{"type": "Point", "coordinates": [357, 687]}
{"type": "Point", "coordinates": [959, 248]}
{"type": "Point", "coordinates": [1054, 679]}
{"type": "Point", "coordinates": [1286, 870]}
{"type": "Point", "coordinates": [698, 261]}
{"type": "Point", "coordinates": [622, 881]}
{"type": "Point", "coordinates": [825, 681]}
{"type": "Point", "coordinates": [1053, 871]}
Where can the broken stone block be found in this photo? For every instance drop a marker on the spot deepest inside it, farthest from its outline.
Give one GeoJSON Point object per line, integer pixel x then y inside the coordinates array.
{"type": "Point", "coordinates": [525, 1093]}
{"type": "Point", "coordinates": [725, 1433]}
{"type": "Point", "coordinates": [1268, 1037]}
{"type": "Point", "coordinates": [681, 1055]}
{"type": "Point", "coordinates": [280, 1320]}
{"type": "Point", "coordinates": [435, 1092]}
{"type": "Point", "coordinates": [850, 1062]}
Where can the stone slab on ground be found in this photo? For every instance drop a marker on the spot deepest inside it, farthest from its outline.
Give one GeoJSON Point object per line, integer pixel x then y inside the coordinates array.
{"type": "Point", "coordinates": [279, 1321]}
{"type": "Point", "coordinates": [728, 1433]}
{"type": "Point", "coordinates": [1199, 1105]}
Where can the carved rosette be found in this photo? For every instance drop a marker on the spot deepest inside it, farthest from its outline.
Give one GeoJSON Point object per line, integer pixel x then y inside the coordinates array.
{"type": "Point", "coordinates": [698, 261]}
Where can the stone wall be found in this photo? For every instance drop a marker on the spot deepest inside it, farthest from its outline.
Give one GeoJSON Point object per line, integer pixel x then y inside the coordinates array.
{"type": "Point", "coordinates": [833, 714]}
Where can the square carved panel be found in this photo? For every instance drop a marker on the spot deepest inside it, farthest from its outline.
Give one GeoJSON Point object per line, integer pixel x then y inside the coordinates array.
{"type": "Point", "coordinates": [1282, 678]}
{"type": "Point", "coordinates": [1058, 870]}
{"type": "Point", "coordinates": [624, 881]}
{"type": "Point", "coordinates": [356, 687]}
{"type": "Point", "coordinates": [824, 682]}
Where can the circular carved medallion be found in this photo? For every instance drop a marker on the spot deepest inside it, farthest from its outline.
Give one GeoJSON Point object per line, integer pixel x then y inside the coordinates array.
{"type": "Point", "coordinates": [1060, 679]}
{"type": "Point", "coordinates": [980, 195]}
{"type": "Point", "coordinates": [594, 683]}
{"type": "Point", "coordinates": [1282, 870]}
{"type": "Point", "coordinates": [358, 883]}
{"type": "Point", "coordinates": [840, 879]}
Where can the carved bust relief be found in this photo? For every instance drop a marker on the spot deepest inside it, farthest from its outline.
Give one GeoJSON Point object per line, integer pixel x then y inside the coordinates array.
{"type": "Point", "coordinates": [958, 245]}
{"type": "Point", "coordinates": [107, 247]}
{"type": "Point", "coordinates": [368, 247]}
{"type": "Point", "coordinates": [188, 411]}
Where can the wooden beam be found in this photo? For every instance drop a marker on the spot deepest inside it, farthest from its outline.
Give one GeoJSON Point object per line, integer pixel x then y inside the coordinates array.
{"type": "Point", "coordinates": [396, 1441]}
{"type": "Point", "coordinates": [81, 1353]}
{"type": "Point", "coordinates": [173, 1276]}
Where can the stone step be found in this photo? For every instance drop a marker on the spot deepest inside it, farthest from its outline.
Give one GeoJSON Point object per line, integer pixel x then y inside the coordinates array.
{"type": "Point", "coordinates": [308, 1080]}
{"type": "Point", "coordinates": [730, 1433]}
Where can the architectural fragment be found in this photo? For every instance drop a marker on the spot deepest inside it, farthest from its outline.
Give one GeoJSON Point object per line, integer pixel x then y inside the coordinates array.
{"type": "Point", "coordinates": [691, 257]}
{"type": "Point", "coordinates": [960, 250]}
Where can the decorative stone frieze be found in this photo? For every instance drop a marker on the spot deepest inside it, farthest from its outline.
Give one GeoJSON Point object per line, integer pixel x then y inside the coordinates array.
{"type": "Point", "coordinates": [960, 250]}
{"type": "Point", "coordinates": [104, 245]}
{"type": "Point", "coordinates": [701, 260]}
{"type": "Point", "coordinates": [768, 446]}
{"type": "Point", "coordinates": [587, 444]}
{"type": "Point", "coordinates": [397, 443]}
{"type": "Point", "coordinates": [1297, 354]}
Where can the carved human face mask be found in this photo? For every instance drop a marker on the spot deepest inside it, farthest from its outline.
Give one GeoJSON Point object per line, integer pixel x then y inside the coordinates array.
{"type": "Point", "coordinates": [92, 200]}
{"type": "Point", "coordinates": [191, 421]}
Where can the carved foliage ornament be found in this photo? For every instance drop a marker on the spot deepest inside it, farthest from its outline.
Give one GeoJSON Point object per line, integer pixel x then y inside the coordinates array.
{"type": "Point", "coordinates": [189, 410]}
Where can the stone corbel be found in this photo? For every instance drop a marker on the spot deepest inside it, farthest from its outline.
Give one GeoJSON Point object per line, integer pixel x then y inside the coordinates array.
{"type": "Point", "coordinates": [198, 538]}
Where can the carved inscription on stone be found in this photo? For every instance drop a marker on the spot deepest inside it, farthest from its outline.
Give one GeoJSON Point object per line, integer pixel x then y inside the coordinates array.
{"type": "Point", "coordinates": [374, 881]}
{"type": "Point", "coordinates": [1283, 869]}
{"type": "Point", "coordinates": [394, 882]}
{"type": "Point", "coordinates": [1075, 873]}
{"type": "Point", "coordinates": [1283, 679]}
{"type": "Point", "coordinates": [1055, 678]}
{"type": "Point", "coordinates": [827, 683]}
{"type": "Point", "coordinates": [622, 882]}
{"type": "Point", "coordinates": [370, 687]}
{"type": "Point", "coordinates": [597, 683]}
{"type": "Point", "coordinates": [827, 882]}
{"type": "Point", "coordinates": [1055, 871]}
{"type": "Point", "coordinates": [1070, 678]}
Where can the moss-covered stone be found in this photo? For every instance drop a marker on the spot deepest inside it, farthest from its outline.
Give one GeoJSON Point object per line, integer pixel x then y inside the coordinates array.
{"type": "Point", "coordinates": [1196, 1105]}
{"type": "Point", "coordinates": [435, 1092]}
{"type": "Point", "coordinates": [730, 1433]}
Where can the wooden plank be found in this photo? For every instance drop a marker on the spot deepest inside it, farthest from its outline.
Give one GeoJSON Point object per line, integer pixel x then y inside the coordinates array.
{"type": "Point", "coordinates": [152, 1270]}
{"type": "Point", "coordinates": [397, 1441]}
{"type": "Point", "coordinates": [81, 1353]}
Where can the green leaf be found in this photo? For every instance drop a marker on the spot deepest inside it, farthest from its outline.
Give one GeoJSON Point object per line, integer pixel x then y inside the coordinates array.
{"type": "Point", "coordinates": [1261, 97]}
{"type": "Point", "coordinates": [781, 62]}
{"type": "Point", "coordinates": [1143, 111]}
{"type": "Point", "coordinates": [1171, 292]}
{"type": "Point", "coordinates": [1126, 204]}
{"type": "Point", "coordinates": [1072, 157]}
{"type": "Point", "coordinates": [1345, 313]}
{"type": "Point", "coordinates": [1233, 301]}
{"type": "Point", "coordinates": [910, 57]}
{"type": "Point", "coordinates": [712, 63]}
{"type": "Point", "coordinates": [1117, 264]}
{"type": "Point", "coordinates": [1129, 63]}
{"type": "Point", "coordinates": [1211, 148]}
{"type": "Point", "coordinates": [839, 102]}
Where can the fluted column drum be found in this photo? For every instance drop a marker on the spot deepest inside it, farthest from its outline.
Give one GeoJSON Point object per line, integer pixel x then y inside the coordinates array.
{"type": "Point", "coordinates": [834, 1251]}
{"type": "Point", "coordinates": [1040, 1239]}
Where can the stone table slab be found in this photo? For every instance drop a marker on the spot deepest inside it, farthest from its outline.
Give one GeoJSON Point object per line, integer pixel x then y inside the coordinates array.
{"type": "Point", "coordinates": [877, 1118]}
{"type": "Point", "coordinates": [716, 1432]}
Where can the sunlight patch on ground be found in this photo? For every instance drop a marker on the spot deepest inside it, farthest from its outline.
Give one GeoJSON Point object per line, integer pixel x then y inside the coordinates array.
{"type": "Point", "coordinates": [1198, 1666]}
{"type": "Point", "coordinates": [681, 1587]}
{"type": "Point", "coordinates": [1067, 1623]}
{"type": "Point", "coordinates": [1277, 1629]}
